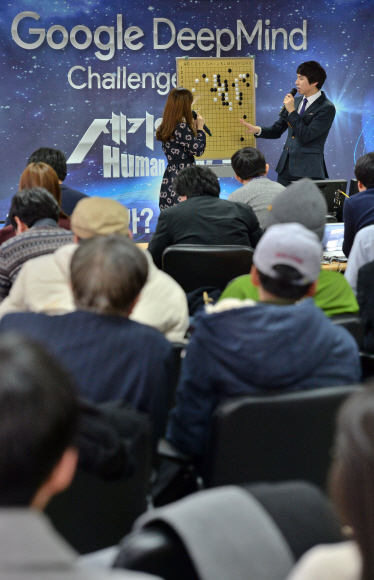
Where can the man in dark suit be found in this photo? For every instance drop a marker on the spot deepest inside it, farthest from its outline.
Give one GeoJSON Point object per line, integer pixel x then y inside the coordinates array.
{"type": "Point", "coordinates": [203, 218]}
{"type": "Point", "coordinates": [308, 120]}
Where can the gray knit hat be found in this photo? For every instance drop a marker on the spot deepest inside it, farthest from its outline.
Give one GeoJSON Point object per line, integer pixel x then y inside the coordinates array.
{"type": "Point", "coordinates": [301, 202]}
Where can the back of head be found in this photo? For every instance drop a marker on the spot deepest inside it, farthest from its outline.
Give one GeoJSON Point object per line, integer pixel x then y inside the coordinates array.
{"type": "Point", "coordinates": [41, 175]}
{"type": "Point", "coordinates": [313, 71]}
{"type": "Point", "coordinates": [38, 418]}
{"type": "Point", "coordinates": [99, 216]}
{"type": "Point", "coordinates": [288, 258]}
{"type": "Point", "coordinates": [31, 205]}
{"type": "Point", "coordinates": [352, 474]}
{"type": "Point", "coordinates": [301, 202]}
{"type": "Point", "coordinates": [364, 170]}
{"type": "Point", "coordinates": [107, 274]}
{"type": "Point", "coordinates": [248, 162]}
{"type": "Point", "coordinates": [53, 157]}
{"type": "Point", "coordinates": [196, 180]}
{"type": "Point", "coordinates": [177, 109]}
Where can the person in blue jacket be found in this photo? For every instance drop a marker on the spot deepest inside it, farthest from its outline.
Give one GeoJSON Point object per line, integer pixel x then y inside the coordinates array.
{"type": "Point", "coordinates": [284, 342]}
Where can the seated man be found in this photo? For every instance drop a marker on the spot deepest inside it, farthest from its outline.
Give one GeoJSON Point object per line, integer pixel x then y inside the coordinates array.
{"type": "Point", "coordinates": [56, 159]}
{"type": "Point", "coordinates": [43, 284]}
{"type": "Point", "coordinates": [110, 357]}
{"type": "Point", "coordinates": [281, 343]}
{"type": "Point", "coordinates": [303, 203]}
{"type": "Point", "coordinates": [203, 218]}
{"type": "Point", "coordinates": [34, 214]}
{"type": "Point", "coordinates": [358, 210]}
{"type": "Point", "coordinates": [362, 253]}
{"type": "Point", "coordinates": [38, 421]}
{"type": "Point", "coordinates": [258, 191]}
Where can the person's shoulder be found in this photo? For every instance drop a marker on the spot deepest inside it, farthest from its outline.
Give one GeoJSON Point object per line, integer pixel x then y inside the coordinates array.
{"type": "Point", "coordinates": [333, 561]}
{"type": "Point", "coordinates": [325, 101]}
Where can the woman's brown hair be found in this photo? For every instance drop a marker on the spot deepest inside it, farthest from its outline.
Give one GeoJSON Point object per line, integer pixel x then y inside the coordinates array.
{"type": "Point", "coordinates": [177, 109]}
{"type": "Point", "coordinates": [42, 175]}
{"type": "Point", "coordinates": [352, 475]}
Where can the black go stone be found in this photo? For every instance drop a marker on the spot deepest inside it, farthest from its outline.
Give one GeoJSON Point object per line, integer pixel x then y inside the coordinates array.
{"type": "Point", "coordinates": [241, 138]}
{"type": "Point", "coordinates": [204, 76]}
{"type": "Point", "coordinates": [247, 75]}
{"type": "Point", "coordinates": [229, 70]}
{"type": "Point", "coordinates": [247, 85]}
{"type": "Point", "coordinates": [244, 116]}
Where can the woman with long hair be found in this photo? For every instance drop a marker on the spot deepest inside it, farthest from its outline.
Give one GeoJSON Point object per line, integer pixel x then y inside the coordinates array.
{"type": "Point", "coordinates": [182, 139]}
{"type": "Point", "coordinates": [352, 491]}
{"type": "Point", "coordinates": [39, 175]}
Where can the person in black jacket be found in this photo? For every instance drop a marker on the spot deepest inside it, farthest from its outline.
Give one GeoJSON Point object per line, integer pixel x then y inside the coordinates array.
{"type": "Point", "coordinates": [203, 218]}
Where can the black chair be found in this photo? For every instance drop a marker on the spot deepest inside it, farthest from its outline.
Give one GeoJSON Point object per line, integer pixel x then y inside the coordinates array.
{"type": "Point", "coordinates": [353, 323]}
{"type": "Point", "coordinates": [195, 266]}
{"type": "Point", "coordinates": [102, 504]}
{"type": "Point", "coordinates": [367, 365]}
{"type": "Point", "coordinates": [274, 437]}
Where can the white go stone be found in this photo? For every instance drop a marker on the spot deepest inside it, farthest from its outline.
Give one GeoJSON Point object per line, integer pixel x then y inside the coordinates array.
{"type": "Point", "coordinates": [230, 108]}
{"type": "Point", "coordinates": [207, 80]}
{"type": "Point", "coordinates": [230, 104]}
{"type": "Point", "coordinates": [240, 76]}
{"type": "Point", "coordinates": [193, 90]}
{"type": "Point", "coordinates": [226, 98]}
{"type": "Point", "coordinates": [237, 98]}
{"type": "Point", "coordinates": [236, 80]}
{"type": "Point", "coordinates": [214, 76]}
{"type": "Point", "coordinates": [196, 80]}
{"type": "Point", "coordinates": [215, 99]}
{"type": "Point", "coordinates": [215, 84]}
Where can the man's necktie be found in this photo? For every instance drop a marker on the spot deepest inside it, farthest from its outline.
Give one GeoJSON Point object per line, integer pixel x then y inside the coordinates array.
{"type": "Point", "coordinates": [304, 105]}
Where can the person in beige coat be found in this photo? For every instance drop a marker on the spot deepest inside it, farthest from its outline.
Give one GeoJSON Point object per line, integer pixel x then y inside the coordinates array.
{"type": "Point", "coordinates": [43, 284]}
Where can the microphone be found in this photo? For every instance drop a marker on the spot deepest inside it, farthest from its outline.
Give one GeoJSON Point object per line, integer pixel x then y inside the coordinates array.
{"type": "Point", "coordinates": [194, 114]}
{"type": "Point", "coordinates": [293, 93]}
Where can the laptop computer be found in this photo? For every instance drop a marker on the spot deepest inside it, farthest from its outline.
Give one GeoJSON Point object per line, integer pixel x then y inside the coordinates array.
{"type": "Point", "coordinates": [333, 241]}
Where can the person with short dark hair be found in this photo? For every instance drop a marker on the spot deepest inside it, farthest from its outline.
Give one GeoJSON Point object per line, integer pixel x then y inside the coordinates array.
{"type": "Point", "coordinates": [57, 160]}
{"type": "Point", "coordinates": [358, 210]}
{"type": "Point", "coordinates": [257, 190]}
{"type": "Point", "coordinates": [284, 342]}
{"type": "Point", "coordinates": [110, 356]}
{"type": "Point", "coordinates": [38, 425]}
{"type": "Point", "coordinates": [203, 218]}
{"type": "Point", "coordinates": [308, 121]}
{"type": "Point", "coordinates": [34, 215]}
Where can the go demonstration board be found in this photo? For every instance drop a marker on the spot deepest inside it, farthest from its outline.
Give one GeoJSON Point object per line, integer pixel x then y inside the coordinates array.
{"type": "Point", "coordinates": [224, 92]}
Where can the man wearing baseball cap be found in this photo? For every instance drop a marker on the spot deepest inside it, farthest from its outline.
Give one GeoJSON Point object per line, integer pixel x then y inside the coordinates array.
{"type": "Point", "coordinates": [284, 342]}
{"type": "Point", "coordinates": [302, 203]}
{"type": "Point", "coordinates": [44, 284]}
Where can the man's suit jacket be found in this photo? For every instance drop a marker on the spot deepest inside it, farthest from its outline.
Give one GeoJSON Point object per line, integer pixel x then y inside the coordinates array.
{"type": "Point", "coordinates": [306, 138]}
{"type": "Point", "coordinates": [205, 220]}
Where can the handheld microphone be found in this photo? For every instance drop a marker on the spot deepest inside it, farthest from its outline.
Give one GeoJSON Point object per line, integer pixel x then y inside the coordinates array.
{"type": "Point", "coordinates": [194, 114]}
{"type": "Point", "coordinates": [293, 93]}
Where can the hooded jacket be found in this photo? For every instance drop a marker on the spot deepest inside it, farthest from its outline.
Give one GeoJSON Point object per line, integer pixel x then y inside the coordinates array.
{"type": "Point", "coordinates": [255, 348]}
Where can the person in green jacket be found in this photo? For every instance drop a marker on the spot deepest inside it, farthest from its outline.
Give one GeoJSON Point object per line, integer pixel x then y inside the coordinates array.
{"type": "Point", "coordinates": [302, 203]}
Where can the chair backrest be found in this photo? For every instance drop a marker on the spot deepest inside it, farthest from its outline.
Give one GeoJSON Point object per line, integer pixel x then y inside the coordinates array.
{"type": "Point", "coordinates": [96, 510]}
{"type": "Point", "coordinates": [274, 437]}
{"type": "Point", "coordinates": [195, 266]}
{"type": "Point", "coordinates": [353, 323]}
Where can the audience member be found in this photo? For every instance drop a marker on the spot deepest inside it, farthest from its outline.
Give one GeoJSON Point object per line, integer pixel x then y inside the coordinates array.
{"type": "Point", "coordinates": [43, 284]}
{"type": "Point", "coordinates": [57, 160]}
{"type": "Point", "coordinates": [38, 175]}
{"type": "Point", "coordinates": [365, 298]}
{"type": "Point", "coordinates": [361, 253]}
{"type": "Point", "coordinates": [352, 490]}
{"type": "Point", "coordinates": [281, 343]}
{"type": "Point", "coordinates": [110, 356]}
{"type": "Point", "coordinates": [33, 214]}
{"type": "Point", "coordinates": [203, 218]}
{"type": "Point", "coordinates": [358, 210]}
{"type": "Point", "coordinates": [38, 422]}
{"type": "Point", "coordinates": [258, 191]}
{"type": "Point", "coordinates": [303, 203]}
